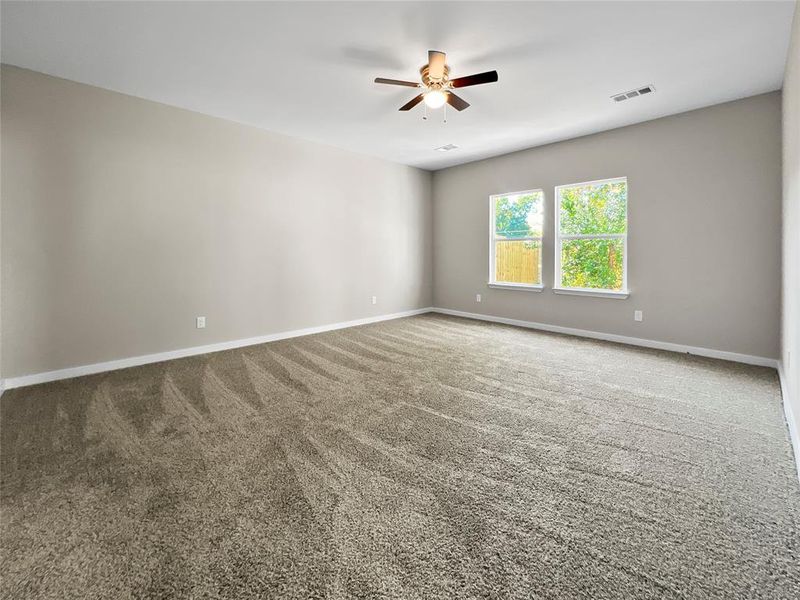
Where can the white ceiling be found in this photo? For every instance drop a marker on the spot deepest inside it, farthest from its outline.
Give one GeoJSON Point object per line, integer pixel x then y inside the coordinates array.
{"type": "Point", "coordinates": [306, 69]}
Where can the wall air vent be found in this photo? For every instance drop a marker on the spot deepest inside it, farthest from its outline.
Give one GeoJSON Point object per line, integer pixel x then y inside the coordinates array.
{"type": "Point", "coordinates": [647, 89]}
{"type": "Point", "coordinates": [446, 148]}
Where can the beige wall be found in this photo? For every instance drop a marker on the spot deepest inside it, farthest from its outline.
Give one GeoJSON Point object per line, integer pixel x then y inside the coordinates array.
{"type": "Point", "coordinates": [790, 338]}
{"type": "Point", "coordinates": [704, 228]}
{"type": "Point", "coordinates": [125, 219]}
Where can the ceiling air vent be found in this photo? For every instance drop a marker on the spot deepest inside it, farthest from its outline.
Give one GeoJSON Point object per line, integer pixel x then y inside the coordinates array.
{"type": "Point", "coordinates": [446, 148]}
{"type": "Point", "coordinates": [647, 89]}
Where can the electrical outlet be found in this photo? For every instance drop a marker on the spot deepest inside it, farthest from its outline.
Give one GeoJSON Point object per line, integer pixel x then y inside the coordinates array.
{"type": "Point", "coordinates": [374, 299]}
{"type": "Point", "coordinates": [477, 297]}
{"type": "Point", "coordinates": [637, 315]}
{"type": "Point", "coordinates": [201, 322]}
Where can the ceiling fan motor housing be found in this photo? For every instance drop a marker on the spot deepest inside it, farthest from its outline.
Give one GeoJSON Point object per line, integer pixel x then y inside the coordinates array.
{"type": "Point", "coordinates": [430, 82]}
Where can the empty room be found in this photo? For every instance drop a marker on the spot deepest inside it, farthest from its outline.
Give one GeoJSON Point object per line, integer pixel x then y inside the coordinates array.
{"type": "Point", "coordinates": [400, 300]}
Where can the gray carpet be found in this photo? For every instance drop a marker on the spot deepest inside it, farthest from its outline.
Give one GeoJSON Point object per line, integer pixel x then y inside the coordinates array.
{"type": "Point", "coordinates": [428, 457]}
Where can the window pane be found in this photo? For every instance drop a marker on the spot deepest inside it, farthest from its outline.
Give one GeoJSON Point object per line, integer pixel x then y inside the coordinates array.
{"type": "Point", "coordinates": [517, 262]}
{"type": "Point", "coordinates": [597, 208]}
{"type": "Point", "coordinates": [589, 263]}
{"type": "Point", "coordinates": [519, 215]}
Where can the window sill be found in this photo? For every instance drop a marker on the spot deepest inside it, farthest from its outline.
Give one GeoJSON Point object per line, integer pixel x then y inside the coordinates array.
{"type": "Point", "coordinates": [596, 293]}
{"type": "Point", "coordinates": [517, 286]}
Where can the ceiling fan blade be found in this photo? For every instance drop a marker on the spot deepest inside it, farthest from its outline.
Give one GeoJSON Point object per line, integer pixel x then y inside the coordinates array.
{"type": "Point", "coordinates": [411, 103]}
{"type": "Point", "coordinates": [436, 64]}
{"type": "Point", "coordinates": [396, 82]}
{"type": "Point", "coordinates": [488, 77]}
{"type": "Point", "coordinates": [456, 101]}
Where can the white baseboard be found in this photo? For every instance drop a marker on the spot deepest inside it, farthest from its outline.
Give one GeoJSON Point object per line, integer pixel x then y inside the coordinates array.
{"type": "Point", "coordinates": [15, 382]}
{"type": "Point", "coordinates": [113, 365]}
{"type": "Point", "coordinates": [791, 421]}
{"type": "Point", "coordinates": [621, 339]}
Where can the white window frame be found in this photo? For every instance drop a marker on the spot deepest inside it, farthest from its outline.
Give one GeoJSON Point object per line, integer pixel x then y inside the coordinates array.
{"type": "Point", "coordinates": [493, 283]}
{"type": "Point", "coordinates": [603, 293]}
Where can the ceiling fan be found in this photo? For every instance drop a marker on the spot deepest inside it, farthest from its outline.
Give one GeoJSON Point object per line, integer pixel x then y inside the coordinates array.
{"type": "Point", "coordinates": [437, 85]}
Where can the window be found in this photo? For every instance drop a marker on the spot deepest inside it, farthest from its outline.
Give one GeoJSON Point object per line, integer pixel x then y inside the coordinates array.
{"type": "Point", "coordinates": [515, 253]}
{"type": "Point", "coordinates": [591, 238]}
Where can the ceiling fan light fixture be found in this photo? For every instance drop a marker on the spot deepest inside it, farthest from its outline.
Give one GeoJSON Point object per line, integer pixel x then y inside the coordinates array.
{"type": "Point", "coordinates": [435, 98]}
